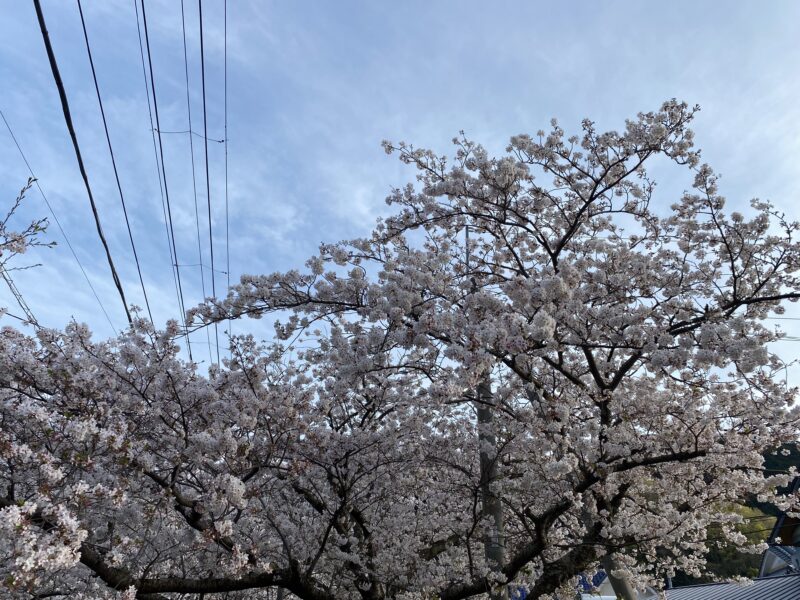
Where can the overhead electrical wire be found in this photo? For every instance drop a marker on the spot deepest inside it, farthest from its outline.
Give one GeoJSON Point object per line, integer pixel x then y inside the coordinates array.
{"type": "Point", "coordinates": [164, 178]}
{"type": "Point", "coordinates": [114, 164]}
{"type": "Point", "coordinates": [68, 118]}
{"type": "Point", "coordinates": [194, 180]}
{"type": "Point", "coordinates": [201, 265]}
{"type": "Point", "coordinates": [57, 221]}
{"type": "Point", "coordinates": [225, 112]}
{"type": "Point", "coordinates": [208, 179]}
{"type": "Point", "coordinates": [200, 135]}
{"type": "Point", "coordinates": [155, 152]}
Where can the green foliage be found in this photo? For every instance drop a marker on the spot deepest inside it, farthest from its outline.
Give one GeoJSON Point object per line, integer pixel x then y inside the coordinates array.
{"type": "Point", "coordinates": [784, 458]}
{"type": "Point", "coordinates": [728, 561]}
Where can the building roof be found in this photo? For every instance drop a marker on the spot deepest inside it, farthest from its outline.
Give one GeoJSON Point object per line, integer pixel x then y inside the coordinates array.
{"type": "Point", "coordinates": [786, 587]}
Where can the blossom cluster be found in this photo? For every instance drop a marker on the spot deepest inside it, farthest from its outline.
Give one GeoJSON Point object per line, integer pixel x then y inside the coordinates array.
{"type": "Point", "coordinates": [532, 366]}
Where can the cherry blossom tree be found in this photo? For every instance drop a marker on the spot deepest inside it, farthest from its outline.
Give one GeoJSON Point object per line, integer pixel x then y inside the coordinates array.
{"type": "Point", "coordinates": [534, 367]}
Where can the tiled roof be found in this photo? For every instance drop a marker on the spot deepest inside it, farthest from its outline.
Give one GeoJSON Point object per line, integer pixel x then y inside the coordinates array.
{"type": "Point", "coordinates": [786, 587]}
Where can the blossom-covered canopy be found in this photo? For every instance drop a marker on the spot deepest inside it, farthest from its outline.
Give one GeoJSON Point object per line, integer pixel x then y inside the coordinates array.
{"type": "Point", "coordinates": [534, 367]}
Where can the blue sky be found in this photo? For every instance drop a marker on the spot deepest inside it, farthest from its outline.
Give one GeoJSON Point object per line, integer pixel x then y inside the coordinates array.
{"type": "Point", "coordinates": [313, 87]}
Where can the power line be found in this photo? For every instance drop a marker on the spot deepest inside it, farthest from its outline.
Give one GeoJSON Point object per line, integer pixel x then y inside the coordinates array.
{"type": "Point", "coordinates": [225, 111]}
{"type": "Point", "coordinates": [172, 260]}
{"type": "Point", "coordinates": [194, 180]}
{"type": "Point", "coordinates": [164, 176]}
{"type": "Point", "coordinates": [203, 266]}
{"type": "Point", "coordinates": [67, 117]}
{"type": "Point", "coordinates": [200, 135]}
{"type": "Point", "coordinates": [114, 163]}
{"type": "Point", "coordinates": [57, 221]}
{"type": "Point", "coordinates": [208, 180]}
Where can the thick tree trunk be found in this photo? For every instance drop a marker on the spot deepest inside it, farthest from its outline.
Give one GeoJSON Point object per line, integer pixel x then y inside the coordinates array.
{"type": "Point", "coordinates": [494, 542]}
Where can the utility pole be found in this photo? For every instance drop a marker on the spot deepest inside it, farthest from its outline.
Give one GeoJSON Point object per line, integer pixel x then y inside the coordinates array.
{"type": "Point", "coordinates": [622, 587]}
{"type": "Point", "coordinates": [494, 544]}
{"type": "Point", "coordinates": [491, 506]}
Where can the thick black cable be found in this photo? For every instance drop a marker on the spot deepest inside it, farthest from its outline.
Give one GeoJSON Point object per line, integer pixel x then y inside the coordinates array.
{"type": "Point", "coordinates": [114, 164]}
{"type": "Point", "coordinates": [57, 221]}
{"type": "Point", "coordinates": [194, 180]}
{"type": "Point", "coordinates": [208, 180]}
{"type": "Point", "coordinates": [68, 118]}
{"type": "Point", "coordinates": [164, 175]}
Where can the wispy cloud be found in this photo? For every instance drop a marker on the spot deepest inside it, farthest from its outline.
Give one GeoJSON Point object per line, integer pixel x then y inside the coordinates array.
{"type": "Point", "coordinates": [314, 88]}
